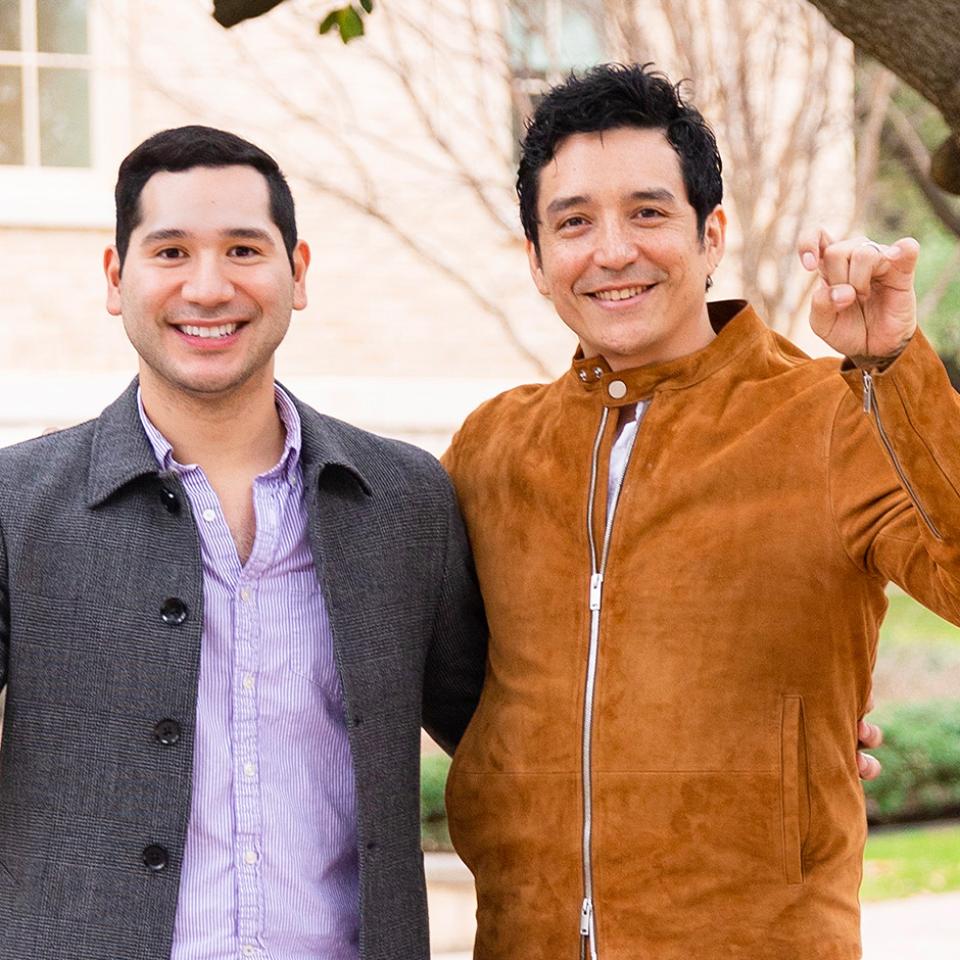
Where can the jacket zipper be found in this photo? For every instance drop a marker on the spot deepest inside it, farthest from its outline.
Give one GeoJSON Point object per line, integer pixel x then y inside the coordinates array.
{"type": "Point", "coordinates": [870, 407]}
{"type": "Point", "coordinates": [598, 566]}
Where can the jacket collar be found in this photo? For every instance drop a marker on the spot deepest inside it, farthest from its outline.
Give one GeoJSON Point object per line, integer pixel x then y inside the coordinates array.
{"type": "Point", "coordinates": [738, 327]}
{"type": "Point", "coordinates": [121, 452]}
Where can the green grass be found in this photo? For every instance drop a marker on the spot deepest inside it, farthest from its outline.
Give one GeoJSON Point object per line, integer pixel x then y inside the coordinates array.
{"type": "Point", "coordinates": [908, 860]}
{"type": "Point", "coordinates": [909, 624]}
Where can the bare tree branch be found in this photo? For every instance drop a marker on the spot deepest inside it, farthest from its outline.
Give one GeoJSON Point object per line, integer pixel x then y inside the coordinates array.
{"type": "Point", "coordinates": [410, 241]}
{"type": "Point", "coordinates": [912, 154]}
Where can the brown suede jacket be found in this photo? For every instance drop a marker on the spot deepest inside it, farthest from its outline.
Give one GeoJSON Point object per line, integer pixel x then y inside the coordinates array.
{"type": "Point", "coordinates": [662, 765]}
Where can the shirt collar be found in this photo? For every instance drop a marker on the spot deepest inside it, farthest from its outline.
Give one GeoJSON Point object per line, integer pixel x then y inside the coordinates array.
{"type": "Point", "coordinates": [287, 466]}
{"type": "Point", "coordinates": [738, 328]}
{"type": "Point", "coordinates": [121, 452]}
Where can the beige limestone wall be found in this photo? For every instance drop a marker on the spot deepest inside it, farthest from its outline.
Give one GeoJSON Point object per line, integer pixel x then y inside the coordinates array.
{"type": "Point", "coordinates": [398, 150]}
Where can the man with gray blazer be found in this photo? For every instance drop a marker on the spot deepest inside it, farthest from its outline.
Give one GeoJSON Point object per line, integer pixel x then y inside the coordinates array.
{"type": "Point", "coordinates": [223, 617]}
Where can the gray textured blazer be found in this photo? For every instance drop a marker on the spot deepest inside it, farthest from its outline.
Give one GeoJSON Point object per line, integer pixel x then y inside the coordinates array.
{"type": "Point", "coordinates": [96, 546]}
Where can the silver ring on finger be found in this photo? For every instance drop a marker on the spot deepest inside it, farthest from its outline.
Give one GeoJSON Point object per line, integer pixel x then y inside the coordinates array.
{"type": "Point", "coordinates": [872, 243]}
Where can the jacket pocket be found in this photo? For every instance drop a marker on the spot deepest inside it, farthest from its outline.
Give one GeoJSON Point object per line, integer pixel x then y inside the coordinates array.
{"type": "Point", "coordinates": [794, 786]}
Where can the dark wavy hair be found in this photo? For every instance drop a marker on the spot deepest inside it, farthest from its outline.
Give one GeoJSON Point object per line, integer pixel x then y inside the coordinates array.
{"type": "Point", "coordinates": [616, 95]}
{"type": "Point", "coordinates": [184, 148]}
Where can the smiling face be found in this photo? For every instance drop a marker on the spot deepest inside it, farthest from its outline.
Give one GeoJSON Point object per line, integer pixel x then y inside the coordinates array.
{"type": "Point", "coordinates": [620, 255]}
{"type": "Point", "coordinates": [206, 289]}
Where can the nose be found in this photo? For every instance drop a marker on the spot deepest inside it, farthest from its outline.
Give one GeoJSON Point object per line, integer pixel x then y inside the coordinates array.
{"type": "Point", "coordinates": [207, 284]}
{"type": "Point", "coordinates": [616, 247]}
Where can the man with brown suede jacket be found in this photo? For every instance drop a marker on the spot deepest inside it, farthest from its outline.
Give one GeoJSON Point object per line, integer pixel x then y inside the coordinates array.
{"type": "Point", "coordinates": [683, 545]}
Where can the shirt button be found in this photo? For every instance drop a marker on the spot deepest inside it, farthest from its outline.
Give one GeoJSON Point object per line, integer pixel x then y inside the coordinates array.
{"type": "Point", "coordinates": [209, 514]}
{"type": "Point", "coordinates": [249, 949]}
{"type": "Point", "coordinates": [155, 857]}
{"type": "Point", "coordinates": [249, 769]}
{"type": "Point", "coordinates": [167, 732]}
{"type": "Point", "coordinates": [250, 856]}
{"type": "Point", "coordinates": [173, 611]}
{"type": "Point", "coordinates": [248, 681]}
{"type": "Point", "coordinates": [617, 389]}
{"type": "Point", "coordinates": [245, 595]}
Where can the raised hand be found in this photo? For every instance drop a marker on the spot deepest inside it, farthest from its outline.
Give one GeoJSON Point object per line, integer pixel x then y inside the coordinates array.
{"type": "Point", "coordinates": [865, 305]}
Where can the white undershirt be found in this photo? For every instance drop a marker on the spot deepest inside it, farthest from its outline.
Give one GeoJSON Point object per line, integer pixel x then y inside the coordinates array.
{"type": "Point", "coordinates": [630, 417]}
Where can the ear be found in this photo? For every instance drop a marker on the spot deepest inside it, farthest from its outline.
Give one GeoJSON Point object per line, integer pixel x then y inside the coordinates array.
{"type": "Point", "coordinates": [536, 269]}
{"type": "Point", "coordinates": [301, 260]}
{"type": "Point", "coordinates": [715, 236]}
{"type": "Point", "coordinates": [111, 270]}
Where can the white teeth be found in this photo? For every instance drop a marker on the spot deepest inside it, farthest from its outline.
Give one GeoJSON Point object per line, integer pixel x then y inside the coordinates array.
{"type": "Point", "coordinates": [209, 333]}
{"type": "Point", "coordinates": [624, 294]}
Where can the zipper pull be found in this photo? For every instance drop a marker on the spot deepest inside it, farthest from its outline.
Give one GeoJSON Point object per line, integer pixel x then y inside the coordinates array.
{"type": "Point", "coordinates": [867, 391]}
{"type": "Point", "coordinates": [596, 585]}
{"type": "Point", "coordinates": [586, 911]}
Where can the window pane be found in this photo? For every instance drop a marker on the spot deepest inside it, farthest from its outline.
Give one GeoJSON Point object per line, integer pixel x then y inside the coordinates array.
{"type": "Point", "coordinates": [9, 24]}
{"type": "Point", "coordinates": [62, 26]}
{"type": "Point", "coordinates": [64, 118]}
{"type": "Point", "coordinates": [546, 35]}
{"type": "Point", "coordinates": [11, 116]}
{"type": "Point", "coordinates": [581, 40]}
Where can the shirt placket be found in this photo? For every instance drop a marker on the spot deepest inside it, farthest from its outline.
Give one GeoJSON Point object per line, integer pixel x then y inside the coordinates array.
{"type": "Point", "coordinates": [248, 678]}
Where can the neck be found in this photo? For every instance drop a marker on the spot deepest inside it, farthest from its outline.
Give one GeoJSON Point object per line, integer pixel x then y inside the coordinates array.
{"type": "Point", "coordinates": [693, 338]}
{"type": "Point", "coordinates": [237, 431]}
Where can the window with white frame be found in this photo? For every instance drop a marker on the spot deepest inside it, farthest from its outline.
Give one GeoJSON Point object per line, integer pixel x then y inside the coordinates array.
{"type": "Point", "coordinates": [64, 110]}
{"type": "Point", "coordinates": [45, 84]}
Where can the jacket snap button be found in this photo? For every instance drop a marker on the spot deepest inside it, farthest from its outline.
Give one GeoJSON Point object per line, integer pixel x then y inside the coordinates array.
{"type": "Point", "coordinates": [155, 857]}
{"type": "Point", "coordinates": [170, 501]}
{"type": "Point", "coordinates": [167, 732]}
{"type": "Point", "coordinates": [617, 389]}
{"type": "Point", "coordinates": [173, 611]}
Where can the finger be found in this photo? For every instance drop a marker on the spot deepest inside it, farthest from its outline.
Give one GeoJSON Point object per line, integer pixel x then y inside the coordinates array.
{"type": "Point", "coordinates": [870, 735]}
{"type": "Point", "coordinates": [868, 767]}
{"type": "Point", "coordinates": [867, 262]}
{"type": "Point", "coordinates": [835, 259]}
{"type": "Point", "coordinates": [843, 295]}
{"type": "Point", "coordinates": [823, 311]}
{"type": "Point", "coordinates": [903, 256]}
{"type": "Point", "coordinates": [809, 245]}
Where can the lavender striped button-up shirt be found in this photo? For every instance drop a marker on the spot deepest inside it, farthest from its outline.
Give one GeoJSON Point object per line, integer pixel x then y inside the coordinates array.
{"type": "Point", "coordinates": [270, 866]}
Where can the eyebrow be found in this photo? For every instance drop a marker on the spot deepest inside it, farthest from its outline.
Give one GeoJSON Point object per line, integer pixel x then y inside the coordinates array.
{"type": "Point", "coordinates": [234, 233]}
{"type": "Point", "coordinates": [561, 204]}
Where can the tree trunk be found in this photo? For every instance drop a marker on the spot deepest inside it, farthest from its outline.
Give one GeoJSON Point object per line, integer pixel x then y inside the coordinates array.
{"type": "Point", "coordinates": [919, 41]}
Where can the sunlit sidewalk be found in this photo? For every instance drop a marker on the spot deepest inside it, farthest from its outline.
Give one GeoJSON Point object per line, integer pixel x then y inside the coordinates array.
{"type": "Point", "coordinates": [925, 927]}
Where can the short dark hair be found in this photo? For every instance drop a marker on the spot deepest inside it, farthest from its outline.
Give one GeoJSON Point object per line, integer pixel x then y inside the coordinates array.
{"type": "Point", "coordinates": [183, 148]}
{"type": "Point", "coordinates": [616, 95]}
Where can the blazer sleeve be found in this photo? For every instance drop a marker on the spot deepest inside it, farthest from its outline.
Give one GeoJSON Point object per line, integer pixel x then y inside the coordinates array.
{"type": "Point", "coordinates": [895, 476]}
{"type": "Point", "coordinates": [456, 658]}
{"type": "Point", "coordinates": [4, 613]}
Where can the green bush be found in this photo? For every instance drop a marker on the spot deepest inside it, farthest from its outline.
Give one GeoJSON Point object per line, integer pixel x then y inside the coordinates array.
{"type": "Point", "coordinates": [921, 763]}
{"type": "Point", "coordinates": [433, 815]}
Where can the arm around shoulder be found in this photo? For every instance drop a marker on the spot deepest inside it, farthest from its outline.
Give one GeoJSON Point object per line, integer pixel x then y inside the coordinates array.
{"type": "Point", "coordinates": [456, 659]}
{"type": "Point", "coordinates": [4, 613]}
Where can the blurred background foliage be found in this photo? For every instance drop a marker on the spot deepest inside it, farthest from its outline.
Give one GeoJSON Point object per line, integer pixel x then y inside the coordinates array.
{"type": "Point", "coordinates": [901, 199]}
